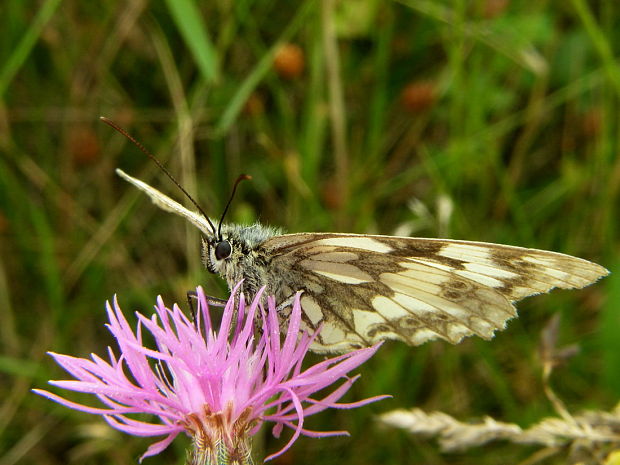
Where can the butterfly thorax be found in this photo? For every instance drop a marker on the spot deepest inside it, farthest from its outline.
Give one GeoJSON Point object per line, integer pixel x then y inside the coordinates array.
{"type": "Point", "coordinates": [247, 260]}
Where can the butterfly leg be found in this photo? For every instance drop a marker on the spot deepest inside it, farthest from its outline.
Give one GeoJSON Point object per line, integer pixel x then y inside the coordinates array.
{"type": "Point", "coordinates": [288, 302]}
{"type": "Point", "coordinates": [214, 301]}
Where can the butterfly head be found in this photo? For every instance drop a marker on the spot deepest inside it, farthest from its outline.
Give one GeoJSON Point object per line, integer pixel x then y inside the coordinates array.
{"type": "Point", "coordinates": [235, 249]}
{"type": "Point", "coordinates": [220, 251]}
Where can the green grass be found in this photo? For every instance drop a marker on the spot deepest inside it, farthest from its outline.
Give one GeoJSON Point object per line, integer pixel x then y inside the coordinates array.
{"type": "Point", "coordinates": [520, 134]}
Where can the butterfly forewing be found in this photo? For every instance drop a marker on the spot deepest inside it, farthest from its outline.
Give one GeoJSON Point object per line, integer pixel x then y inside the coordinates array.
{"type": "Point", "coordinates": [362, 289]}
{"type": "Point", "coordinates": [166, 203]}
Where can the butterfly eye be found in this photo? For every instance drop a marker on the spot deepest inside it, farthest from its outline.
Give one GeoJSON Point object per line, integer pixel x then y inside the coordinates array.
{"type": "Point", "coordinates": [222, 250]}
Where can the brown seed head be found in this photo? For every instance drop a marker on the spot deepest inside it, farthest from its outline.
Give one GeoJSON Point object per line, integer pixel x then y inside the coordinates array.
{"type": "Point", "coordinates": [494, 8]}
{"type": "Point", "coordinates": [254, 105]}
{"type": "Point", "coordinates": [289, 61]}
{"type": "Point", "coordinates": [418, 96]}
{"type": "Point", "coordinates": [84, 145]}
{"type": "Point", "coordinates": [4, 223]}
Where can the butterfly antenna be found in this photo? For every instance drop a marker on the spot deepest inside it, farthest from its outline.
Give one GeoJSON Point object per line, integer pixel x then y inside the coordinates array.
{"type": "Point", "coordinates": [115, 126]}
{"type": "Point", "coordinates": [242, 177]}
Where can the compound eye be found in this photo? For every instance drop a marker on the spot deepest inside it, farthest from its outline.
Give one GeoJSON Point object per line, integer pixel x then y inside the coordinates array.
{"type": "Point", "coordinates": [222, 250]}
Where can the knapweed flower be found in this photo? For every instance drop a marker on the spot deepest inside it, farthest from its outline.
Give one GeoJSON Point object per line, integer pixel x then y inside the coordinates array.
{"type": "Point", "coordinates": [218, 385]}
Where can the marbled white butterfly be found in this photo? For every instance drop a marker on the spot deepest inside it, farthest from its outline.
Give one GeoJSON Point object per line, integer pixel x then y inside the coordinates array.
{"type": "Point", "coordinates": [366, 288]}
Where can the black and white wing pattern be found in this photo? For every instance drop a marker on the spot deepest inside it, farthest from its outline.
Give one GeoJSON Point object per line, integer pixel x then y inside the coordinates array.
{"type": "Point", "coordinates": [363, 289]}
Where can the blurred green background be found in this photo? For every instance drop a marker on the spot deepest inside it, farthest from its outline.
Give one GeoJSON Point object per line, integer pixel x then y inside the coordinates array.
{"type": "Point", "coordinates": [489, 120]}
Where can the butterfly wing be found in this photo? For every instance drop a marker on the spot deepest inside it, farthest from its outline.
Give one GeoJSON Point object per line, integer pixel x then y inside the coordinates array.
{"type": "Point", "coordinates": [363, 289]}
{"type": "Point", "coordinates": [166, 203]}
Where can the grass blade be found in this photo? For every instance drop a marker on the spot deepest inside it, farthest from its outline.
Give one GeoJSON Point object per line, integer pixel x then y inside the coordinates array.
{"type": "Point", "coordinates": [187, 17]}
{"type": "Point", "coordinates": [259, 71]}
{"type": "Point", "coordinates": [23, 49]}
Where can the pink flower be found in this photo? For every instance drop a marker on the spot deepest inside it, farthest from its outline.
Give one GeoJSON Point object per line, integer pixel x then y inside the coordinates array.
{"type": "Point", "coordinates": [218, 386]}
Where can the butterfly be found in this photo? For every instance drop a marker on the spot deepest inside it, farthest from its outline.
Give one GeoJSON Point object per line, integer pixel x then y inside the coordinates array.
{"type": "Point", "coordinates": [366, 288]}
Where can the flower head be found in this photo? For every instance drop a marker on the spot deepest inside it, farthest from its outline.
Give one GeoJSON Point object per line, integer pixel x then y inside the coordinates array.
{"type": "Point", "coordinates": [216, 385]}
